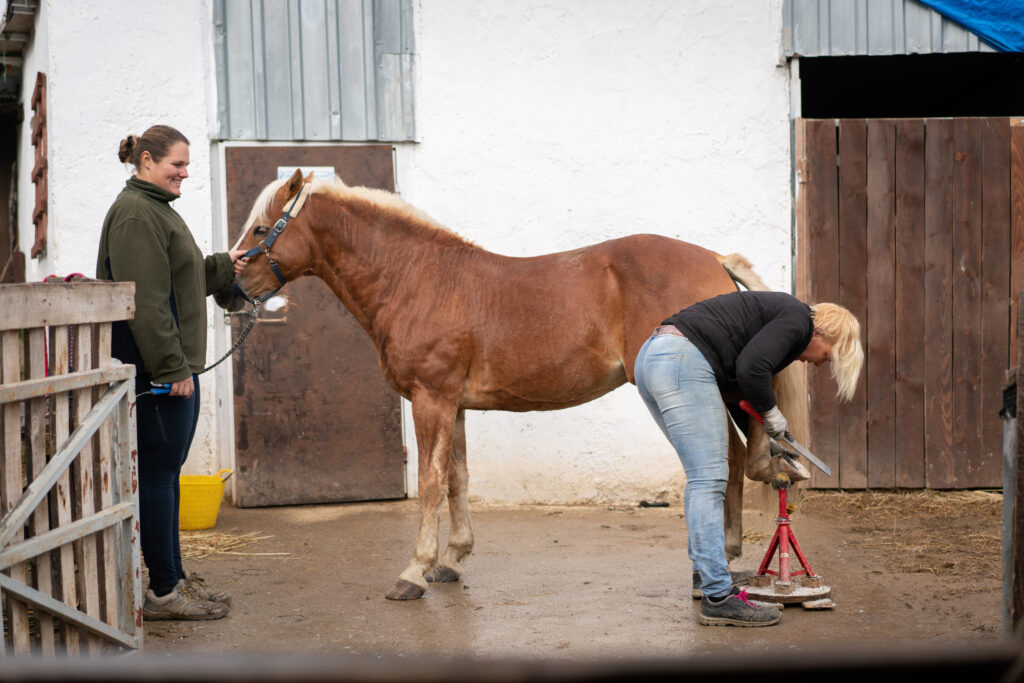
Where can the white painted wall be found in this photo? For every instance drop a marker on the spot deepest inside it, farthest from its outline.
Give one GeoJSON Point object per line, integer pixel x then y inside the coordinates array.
{"type": "Point", "coordinates": [546, 126]}
{"type": "Point", "coordinates": [116, 67]}
{"type": "Point", "coordinates": [542, 126]}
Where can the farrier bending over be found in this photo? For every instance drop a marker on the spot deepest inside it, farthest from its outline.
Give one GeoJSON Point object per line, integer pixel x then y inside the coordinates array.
{"type": "Point", "coordinates": [734, 344]}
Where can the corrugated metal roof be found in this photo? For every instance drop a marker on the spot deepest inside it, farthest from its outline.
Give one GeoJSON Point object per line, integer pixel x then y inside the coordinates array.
{"type": "Point", "coordinates": [832, 28]}
{"type": "Point", "coordinates": [314, 70]}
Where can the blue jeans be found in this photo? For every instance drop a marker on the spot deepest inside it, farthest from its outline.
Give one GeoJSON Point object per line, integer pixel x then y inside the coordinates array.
{"type": "Point", "coordinates": [166, 425]}
{"type": "Point", "coordinates": [678, 386]}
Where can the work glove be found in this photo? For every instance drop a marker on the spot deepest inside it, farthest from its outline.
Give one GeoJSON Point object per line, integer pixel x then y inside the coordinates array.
{"type": "Point", "coordinates": [775, 422]}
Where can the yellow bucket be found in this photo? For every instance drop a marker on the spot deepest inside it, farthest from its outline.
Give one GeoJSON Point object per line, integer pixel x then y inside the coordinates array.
{"type": "Point", "coordinates": [200, 500]}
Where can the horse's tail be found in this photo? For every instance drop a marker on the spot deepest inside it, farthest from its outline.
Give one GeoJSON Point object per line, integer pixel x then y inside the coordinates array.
{"type": "Point", "coordinates": [742, 271]}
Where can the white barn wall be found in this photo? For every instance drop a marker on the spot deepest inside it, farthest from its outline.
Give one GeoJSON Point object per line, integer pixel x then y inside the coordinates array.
{"type": "Point", "coordinates": [116, 67]}
{"type": "Point", "coordinates": [548, 126]}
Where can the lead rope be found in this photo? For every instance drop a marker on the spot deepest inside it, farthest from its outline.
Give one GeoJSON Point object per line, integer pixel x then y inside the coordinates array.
{"type": "Point", "coordinates": [254, 314]}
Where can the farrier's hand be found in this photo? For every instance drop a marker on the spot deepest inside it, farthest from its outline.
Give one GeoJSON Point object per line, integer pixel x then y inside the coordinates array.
{"type": "Point", "coordinates": [775, 422]}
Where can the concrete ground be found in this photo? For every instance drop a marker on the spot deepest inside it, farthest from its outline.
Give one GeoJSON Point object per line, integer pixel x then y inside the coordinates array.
{"type": "Point", "coordinates": [584, 584]}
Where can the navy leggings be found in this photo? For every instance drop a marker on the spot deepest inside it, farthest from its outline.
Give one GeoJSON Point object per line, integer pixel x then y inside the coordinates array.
{"type": "Point", "coordinates": [166, 425]}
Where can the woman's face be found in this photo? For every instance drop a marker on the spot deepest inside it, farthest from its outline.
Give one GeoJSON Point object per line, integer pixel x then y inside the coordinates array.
{"type": "Point", "coordinates": [169, 171]}
{"type": "Point", "coordinates": [817, 352]}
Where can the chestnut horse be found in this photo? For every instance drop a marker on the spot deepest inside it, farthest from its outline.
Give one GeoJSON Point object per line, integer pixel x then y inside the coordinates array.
{"type": "Point", "coordinates": [457, 327]}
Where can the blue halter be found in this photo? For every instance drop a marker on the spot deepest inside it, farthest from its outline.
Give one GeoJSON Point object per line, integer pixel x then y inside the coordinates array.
{"type": "Point", "coordinates": [264, 248]}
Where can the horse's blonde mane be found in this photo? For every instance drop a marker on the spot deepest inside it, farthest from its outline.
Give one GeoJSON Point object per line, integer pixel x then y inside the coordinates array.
{"type": "Point", "coordinates": [337, 188]}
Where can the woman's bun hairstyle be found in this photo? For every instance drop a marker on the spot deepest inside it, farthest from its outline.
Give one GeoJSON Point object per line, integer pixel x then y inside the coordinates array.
{"type": "Point", "coordinates": [128, 145]}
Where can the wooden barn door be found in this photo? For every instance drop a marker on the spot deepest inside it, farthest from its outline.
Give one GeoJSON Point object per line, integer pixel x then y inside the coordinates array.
{"type": "Point", "coordinates": [315, 422]}
{"type": "Point", "coordinates": [917, 226]}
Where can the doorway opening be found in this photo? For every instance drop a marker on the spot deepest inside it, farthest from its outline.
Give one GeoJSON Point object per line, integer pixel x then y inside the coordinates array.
{"type": "Point", "coordinates": [917, 86]}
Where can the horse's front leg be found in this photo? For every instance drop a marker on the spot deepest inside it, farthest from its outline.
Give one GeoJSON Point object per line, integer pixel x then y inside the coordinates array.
{"type": "Point", "coordinates": [734, 496]}
{"type": "Point", "coordinates": [434, 417]}
{"type": "Point", "coordinates": [460, 537]}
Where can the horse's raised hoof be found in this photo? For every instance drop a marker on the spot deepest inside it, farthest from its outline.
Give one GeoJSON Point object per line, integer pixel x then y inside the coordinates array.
{"type": "Point", "coordinates": [441, 574]}
{"type": "Point", "coordinates": [405, 590]}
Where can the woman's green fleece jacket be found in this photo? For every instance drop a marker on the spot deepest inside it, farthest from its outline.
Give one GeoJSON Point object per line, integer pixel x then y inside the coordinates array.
{"type": "Point", "coordinates": [145, 241]}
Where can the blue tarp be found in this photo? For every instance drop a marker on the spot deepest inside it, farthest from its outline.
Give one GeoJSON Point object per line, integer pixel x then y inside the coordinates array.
{"type": "Point", "coordinates": [1000, 23]}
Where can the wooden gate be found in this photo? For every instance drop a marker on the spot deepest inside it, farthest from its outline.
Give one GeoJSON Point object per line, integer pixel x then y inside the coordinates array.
{"type": "Point", "coordinates": [69, 545]}
{"type": "Point", "coordinates": [917, 226]}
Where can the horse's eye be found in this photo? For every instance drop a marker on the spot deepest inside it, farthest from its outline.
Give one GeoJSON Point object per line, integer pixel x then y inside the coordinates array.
{"type": "Point", "coordinates": [261, 230]}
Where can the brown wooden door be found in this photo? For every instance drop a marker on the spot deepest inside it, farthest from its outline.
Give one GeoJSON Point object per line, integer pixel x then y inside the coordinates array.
{"type": "Point", "coordinates": [314, 420]}
{"type": "Point", "coordinates": [917, 226]}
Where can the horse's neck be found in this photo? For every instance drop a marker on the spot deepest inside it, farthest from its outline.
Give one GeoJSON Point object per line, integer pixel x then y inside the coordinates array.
{"type": "Point", "coordinates": [371, 257]}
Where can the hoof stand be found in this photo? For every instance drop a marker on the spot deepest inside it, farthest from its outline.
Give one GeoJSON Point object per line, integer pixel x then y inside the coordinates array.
{"type": "Point", "coordinates": [405, 590]}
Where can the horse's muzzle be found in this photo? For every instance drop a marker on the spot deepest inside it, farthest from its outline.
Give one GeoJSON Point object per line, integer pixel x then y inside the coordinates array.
{"type": "Point", "coordinates": [230, 298]}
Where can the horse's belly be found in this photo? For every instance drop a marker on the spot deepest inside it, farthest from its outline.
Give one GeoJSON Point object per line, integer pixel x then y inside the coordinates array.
{"type": "Point", "coordinates": [552, 390]}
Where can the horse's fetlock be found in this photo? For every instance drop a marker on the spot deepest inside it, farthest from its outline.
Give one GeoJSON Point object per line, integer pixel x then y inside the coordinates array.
{"type": "Point", "coordinates": [461, 539]}
{"type": "Point", "coordinates": [444, 574]}
{"type": "Point", "coordinates": [453, 558]}
{"type": "Point", "coordinates": [414, 575]}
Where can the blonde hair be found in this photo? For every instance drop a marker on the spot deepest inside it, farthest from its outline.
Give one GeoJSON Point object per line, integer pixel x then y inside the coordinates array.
{"type": "Point", "coordinates": [841, 330]}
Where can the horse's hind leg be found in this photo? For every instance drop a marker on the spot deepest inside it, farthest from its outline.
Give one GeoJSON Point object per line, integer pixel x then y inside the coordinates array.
{"type": "Point", "coordinates": [434, 418]}
{"type": "Point", "coordinates": [734, 496]}
{"type": "Point", "coordinates": [460, 536]}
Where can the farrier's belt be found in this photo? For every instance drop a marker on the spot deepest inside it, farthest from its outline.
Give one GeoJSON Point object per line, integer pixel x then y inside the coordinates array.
{"type": "Point", "coordinates": [668, 329]}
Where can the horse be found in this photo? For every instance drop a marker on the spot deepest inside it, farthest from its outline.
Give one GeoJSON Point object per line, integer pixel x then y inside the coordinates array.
{"type": "Point", "coordinates": [459, 328]}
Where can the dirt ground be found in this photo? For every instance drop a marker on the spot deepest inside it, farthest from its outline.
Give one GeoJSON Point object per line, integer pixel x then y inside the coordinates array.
{"type": "Point", "coordinates": [589, 583]}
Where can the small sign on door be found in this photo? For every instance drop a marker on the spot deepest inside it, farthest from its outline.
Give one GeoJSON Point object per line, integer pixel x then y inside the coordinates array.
{"type": "Point", "coordinates": [322, 172]}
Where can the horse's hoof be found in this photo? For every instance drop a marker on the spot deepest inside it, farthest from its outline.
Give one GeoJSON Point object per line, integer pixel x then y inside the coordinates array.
{"type": "Point", "coordinates": [441, 574]}
{"type": "Point", "coordinates": [405, 590]}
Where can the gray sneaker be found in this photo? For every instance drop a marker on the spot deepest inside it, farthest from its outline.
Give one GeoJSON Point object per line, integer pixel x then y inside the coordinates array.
{"type": "Point", "coordinates": [739, 578]}
{"type": "Point", "coordinates": [194, 586]}
{"type": "Point", "coordinates": [175, 605]}
{"type": "Point", "coordinates": [736, 610]}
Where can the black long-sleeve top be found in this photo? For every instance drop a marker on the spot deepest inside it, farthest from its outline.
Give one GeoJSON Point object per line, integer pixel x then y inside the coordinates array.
{"type": "Point", "coordinates": [747, 337]}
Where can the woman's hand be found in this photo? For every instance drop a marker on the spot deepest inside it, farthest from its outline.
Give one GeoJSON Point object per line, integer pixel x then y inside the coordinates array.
{"type": "Point", "coordinates": [238, 260]}
{"type": "Point", "coordinates": [184, 388]}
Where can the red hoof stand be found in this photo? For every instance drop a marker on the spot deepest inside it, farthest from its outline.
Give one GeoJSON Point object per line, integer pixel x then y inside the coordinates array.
{"type": "Point", "coordinates": [405, 590]}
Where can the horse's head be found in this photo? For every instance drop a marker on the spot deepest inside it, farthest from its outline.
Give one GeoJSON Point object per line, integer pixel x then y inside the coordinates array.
{"type": "Point", "coordinates": [278, 242]}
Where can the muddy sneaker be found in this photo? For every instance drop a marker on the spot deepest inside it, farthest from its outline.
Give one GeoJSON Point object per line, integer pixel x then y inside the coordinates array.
{"type": "Point", "coordinates": [739, 578]}
{"type": "Point", "coordinates": [194, 586]}
{"type": "Point", "coordinates": [174, 605]}
{"type": "Point", "coordinates": [736, 610]}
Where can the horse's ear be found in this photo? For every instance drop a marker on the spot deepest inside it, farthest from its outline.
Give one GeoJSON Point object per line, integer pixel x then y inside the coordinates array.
{"type": "Point", "coordinates": [295, 182]}
{"type": "Point", "coordinates": [309, 178]}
